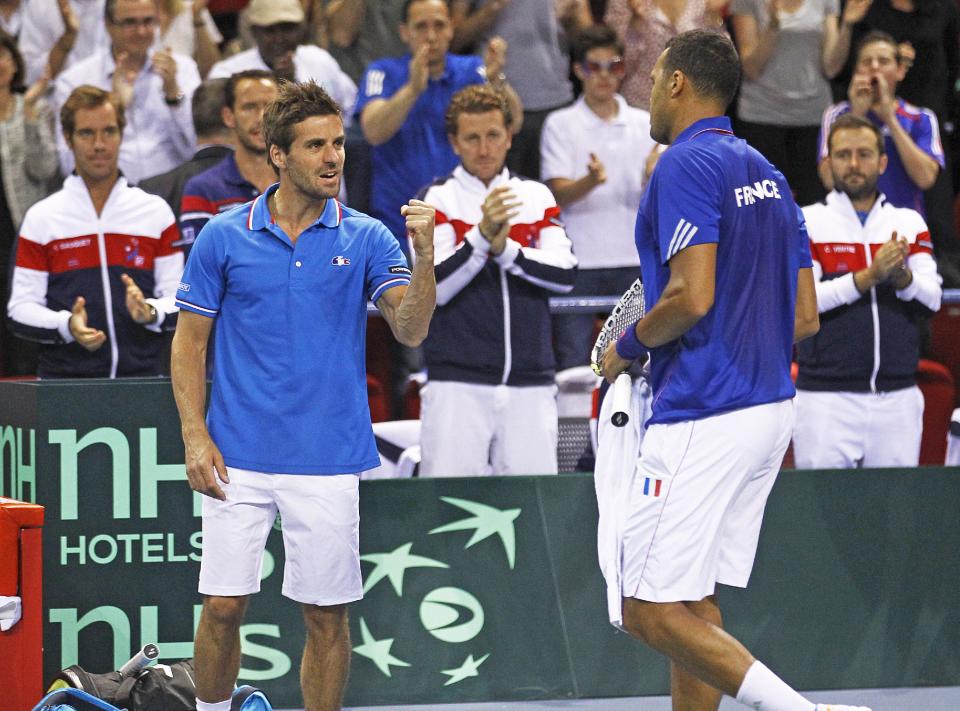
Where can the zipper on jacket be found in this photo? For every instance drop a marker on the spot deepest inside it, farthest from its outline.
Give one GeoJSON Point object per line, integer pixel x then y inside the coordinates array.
{"type": "Point", "coordinates": [875, 315]}
{"type": "Point", "coordinates": [507, 353]}
{"type": "Point", "coordinates": [107, 300]}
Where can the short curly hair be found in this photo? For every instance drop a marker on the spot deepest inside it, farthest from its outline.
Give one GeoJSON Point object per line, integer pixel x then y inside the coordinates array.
{"type": "Point", "coordinates": [476, 99]}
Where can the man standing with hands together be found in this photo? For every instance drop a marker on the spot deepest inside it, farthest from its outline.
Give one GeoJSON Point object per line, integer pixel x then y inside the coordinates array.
{"type": "Point", "coordinates": [285, 281]}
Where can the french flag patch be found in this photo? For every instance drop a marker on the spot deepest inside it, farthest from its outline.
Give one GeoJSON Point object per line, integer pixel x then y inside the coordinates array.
{"type": "Point", "coordinates": [651, 487]}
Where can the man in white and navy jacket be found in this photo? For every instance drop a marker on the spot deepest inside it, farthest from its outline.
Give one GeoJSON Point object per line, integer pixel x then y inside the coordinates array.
{"type": "Point", "coordinates": [87, 254]}
{"type": "Point", "coordinates": [489, 405]}
{"type": "Point", "coordinates": [858, 403]}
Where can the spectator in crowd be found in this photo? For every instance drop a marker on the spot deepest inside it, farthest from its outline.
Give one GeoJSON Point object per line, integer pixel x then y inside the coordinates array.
{"type": "Point", "coordinates": [279, 30]}
{"type": "Point", "coordinates": [214, 143]}
{"type": "Point", "coordinates": [28, 159]}
{"type": "Point", "coordinates": [359, 33]}
{"type": "Point", "coordinates": [489, 405]}
{"type": "Point", "coordinates": [362, 30]}
{"type": "Point", "coordinates": [589, 157]}
{"type": "Point", "coordinates": [88, 254]}
{"type": "Point", "coordinates": [644, 26]}
{"type": "Point", "coordinates": [537, 66]}
{"type": "Point", "coordinates": [857, 397]}
{"type": "Point", "coordinates": [11, 17]}
{"type": "Point", "coordinates": [245, 172]}
{"type": "Point", "coordinates": [926, 33]}
{"type": "Point", "coordinates": [153, 85]}
{"type": "Point", "coordinates": [911, 133]}
{"type": "Point", "coordinates": [56, 34]}
{"type": "Point", "coordinates": [402, 104]}
{"type": "Point", "coordinates": [187, 27]}
{"type": "Point", "coordinates": [789, 50]}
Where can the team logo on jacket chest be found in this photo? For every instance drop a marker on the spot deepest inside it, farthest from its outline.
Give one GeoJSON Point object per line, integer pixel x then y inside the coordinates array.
{"type": "Point", "coordinates": [340, 261]}
{"type": "Point", "coordinates": [131, 253]}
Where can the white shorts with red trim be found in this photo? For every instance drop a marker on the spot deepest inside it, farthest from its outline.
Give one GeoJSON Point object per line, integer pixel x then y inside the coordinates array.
{"type": "Point", "coordinates": [696, 502]}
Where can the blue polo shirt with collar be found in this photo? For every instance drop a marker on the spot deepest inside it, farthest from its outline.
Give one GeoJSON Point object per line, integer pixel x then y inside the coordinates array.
{"type": "Point", "coordinates": [420, 151]}
{"type": "Point", "coordinates": [289, 384]}
{"type": "Point", "coordinates": [710, 187]}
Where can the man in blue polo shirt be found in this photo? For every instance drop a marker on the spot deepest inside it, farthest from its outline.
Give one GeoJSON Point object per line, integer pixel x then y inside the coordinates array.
{"type": "Point", "coordinates": [244, 173]}
{"type": "Point", "coordinates": [911, 134]}
{"type": "Point", "coordinates": [402, 104]}
{"type": "Point", "coordinates": [285, 282]}
{"type": "Point", "coordinates": [729, 286]}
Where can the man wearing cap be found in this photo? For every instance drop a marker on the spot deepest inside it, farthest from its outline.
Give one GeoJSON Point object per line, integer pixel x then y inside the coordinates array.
{"type": "Point", "coordinates": [279, 28]}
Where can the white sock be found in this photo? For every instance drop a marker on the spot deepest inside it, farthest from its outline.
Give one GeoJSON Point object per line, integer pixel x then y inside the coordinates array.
{"type": "Point", "coordinates": [216, 706]}
{"type": "Point", "coordinates": [765, 691]}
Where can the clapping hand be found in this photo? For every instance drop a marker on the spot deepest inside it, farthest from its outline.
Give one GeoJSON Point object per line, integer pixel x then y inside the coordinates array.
{"type": "Point", "coordinates": [495, 57]}
{"type": "Point", "coordinates": [89, 338]}
{"type": "Point", "coordinates": [499, 207]}
{"type": "Point", "coordinates": [420, 70]}
{"type": "Point", "coordinates": [165, 65]}
{"type": "Point", "coordinates": [138, 308]}
{"type": "Point", "coordinates": [596, 170]}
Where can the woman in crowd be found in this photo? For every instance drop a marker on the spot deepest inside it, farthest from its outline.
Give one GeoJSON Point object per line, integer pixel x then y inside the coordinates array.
{"type": "Point", "coordinates": [790, 49]}
{"type": "Point", "coordinates": [28, 162]}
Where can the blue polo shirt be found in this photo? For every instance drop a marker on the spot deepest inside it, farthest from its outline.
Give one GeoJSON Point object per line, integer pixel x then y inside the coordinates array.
{"type": "Point", "coordinates": [289, 385]}
{"type": "Point", "coordinates": [419, 152]}
{"type": "Point", "coordinates": [210, 192]}
{"type": "Point", "coordinates": [711, 187]}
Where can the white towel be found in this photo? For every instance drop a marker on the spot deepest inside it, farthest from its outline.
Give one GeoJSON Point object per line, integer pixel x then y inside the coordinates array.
{"type": "Point", "coordinates": [953, 440]}
{"type": "Point", "coordinates": [11, 610]}
{"type": "Point", "coordinates": [617, 454]}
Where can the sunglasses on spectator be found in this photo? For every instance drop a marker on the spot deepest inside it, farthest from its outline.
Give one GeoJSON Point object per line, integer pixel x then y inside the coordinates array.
{"type": "Point", "coordinates": [617, 67]}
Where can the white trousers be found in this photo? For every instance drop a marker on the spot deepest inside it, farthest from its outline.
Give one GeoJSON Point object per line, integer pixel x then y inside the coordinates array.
{"type": "Point", "coordinates": [837, 430]}
{"type": "Point", "coordinates": [476, 430]}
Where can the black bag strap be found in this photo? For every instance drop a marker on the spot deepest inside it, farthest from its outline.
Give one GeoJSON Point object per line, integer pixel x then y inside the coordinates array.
{"type": "Point", "coordinates": [125, 691]}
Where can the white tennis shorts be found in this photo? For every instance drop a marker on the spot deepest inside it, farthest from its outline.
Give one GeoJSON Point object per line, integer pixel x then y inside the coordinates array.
{"type": "Point", "coordinates": [697, 500]}
{"type": "Point", "coordinates": [468, 429]}
{"type": "Point", "coordinates": [320, 518]}
{"type": "Point", "coordinates": [840, 430]}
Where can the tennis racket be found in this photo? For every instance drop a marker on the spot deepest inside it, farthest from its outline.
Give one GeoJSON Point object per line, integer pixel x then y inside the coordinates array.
{"type": "Point", "coordinates": [628, 311]}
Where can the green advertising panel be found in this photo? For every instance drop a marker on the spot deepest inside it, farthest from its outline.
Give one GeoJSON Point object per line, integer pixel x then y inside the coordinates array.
{"type": "Point", "coordinates": [475, 589]}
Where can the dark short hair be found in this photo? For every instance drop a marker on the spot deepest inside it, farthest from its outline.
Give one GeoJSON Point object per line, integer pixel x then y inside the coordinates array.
{"type": "Point", "coordinates": [295, 103]}
{"type": "Point", "coordinates": [708, 59]}
{"type": "Point", "coordinates": [408, 3]}
{"type": "Point", "coordinates": [86, 96]}
{"type": "Point", "coordinates": [8, 42]}
{"type": "Point", "coordinates": [110, 5]}
{"type": "Point", "coordinates": [230, 91]}
{"type": "Point", "coordinates": [476, 99]}
{"type": "Point", "coordinates": [205, 105]}
{"type": "Point", "coordinates": [849, 122]}
{"type": "Point", "coordinates": [592, 37]}
{"type": "Point", "coordinates": [874, 36]}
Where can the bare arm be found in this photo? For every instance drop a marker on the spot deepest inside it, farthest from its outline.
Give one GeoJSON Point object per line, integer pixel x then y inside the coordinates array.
{"type": "Point", "coordinates": [469, 27]}
{"type": "Point", "coordinates": [408, 309]}
{"type": "Point", "coordinates": [567, 190]}
{"type": "Point", "coordinates": [687, 298]}
{"type": "Point", "coordinates": [807, 319]}
{"type": "Point", "coordinates": [755, 47]}
{"type": "Point", "coordinates": [836, 36]}
{"type": "Point", "coordinates": [344, 18]}
{"type": "Point", "coordinates": [205, 50]}
{"type": "Point", "coordinates": [188, 372]}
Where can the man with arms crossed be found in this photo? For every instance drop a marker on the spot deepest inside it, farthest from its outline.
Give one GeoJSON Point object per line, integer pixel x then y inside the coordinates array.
{"type": "Point", "coordinates": [286, 280]}
{"type": "Point", "coordinates": [722, 245]}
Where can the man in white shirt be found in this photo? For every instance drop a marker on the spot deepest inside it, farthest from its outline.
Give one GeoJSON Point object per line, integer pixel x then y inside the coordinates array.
{"type": "Point", "coordinates": [154, 86]}
{"type": "Point", "coordinates": [279, 28]}
{"type": "Point", "coordinates": [592, 154]}
{"type": "Point", "coordinates": [59, 33]}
